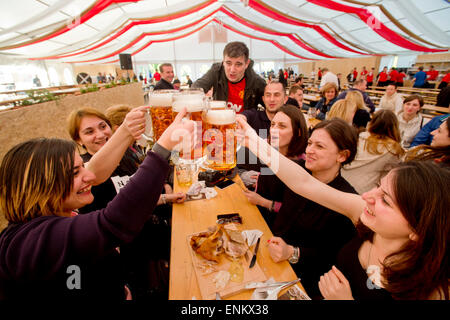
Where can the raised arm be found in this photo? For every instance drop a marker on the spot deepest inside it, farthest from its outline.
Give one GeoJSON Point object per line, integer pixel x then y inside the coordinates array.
{"type": "Point", "coordinates": [299, 180]}
{"type": "Point", "coordinates": [106, 160]}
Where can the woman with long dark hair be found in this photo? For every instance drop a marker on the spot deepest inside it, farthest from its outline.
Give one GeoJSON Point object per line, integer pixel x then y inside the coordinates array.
{"type": "Point", "coordinates": [288, 133]}
{"type": "Point", "coordinates": [45, 252]}
{"type": "Point", "coordinates": [408, 250]}
{"type": "Point", "coordinates": [438, 150]}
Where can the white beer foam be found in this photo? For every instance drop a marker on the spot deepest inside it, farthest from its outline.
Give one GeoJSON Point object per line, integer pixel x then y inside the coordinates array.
{"type": "Point", "coordinates": [221, 117]}
{"type": "Point", "coordinates": [193, 103]}
{"type": "Point", "coordinates": [160, 100]}
{"type": "Point", "coordinates": [217, 104]}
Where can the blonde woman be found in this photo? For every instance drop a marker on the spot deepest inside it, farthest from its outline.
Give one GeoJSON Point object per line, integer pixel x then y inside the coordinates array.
{"type": "Point", "coordinates": [378, 146]}
{"type": "Point", "coordinates": [353, 110]}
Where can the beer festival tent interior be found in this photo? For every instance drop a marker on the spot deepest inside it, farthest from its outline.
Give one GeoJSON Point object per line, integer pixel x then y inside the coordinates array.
{"type": "Point", "coordinates": [59, 39]}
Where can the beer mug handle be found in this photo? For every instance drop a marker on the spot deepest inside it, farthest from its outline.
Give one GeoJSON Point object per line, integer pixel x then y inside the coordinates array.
{"type": "Point", "coordinates": [148, 134]}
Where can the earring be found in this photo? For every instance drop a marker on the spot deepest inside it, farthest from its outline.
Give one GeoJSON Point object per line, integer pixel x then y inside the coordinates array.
{"type": "Point", "coordinates": [413, 236]}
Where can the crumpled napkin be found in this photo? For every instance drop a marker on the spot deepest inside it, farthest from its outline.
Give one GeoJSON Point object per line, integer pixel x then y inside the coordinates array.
{"type": "Point", "coordinates": [251, 236]}
{"type": "Point", "coordinates": [209, 192]}
{"type": "Point", "coordinates": [200, 187]}
{"type": "Point", "coordinates": [248, 177]}
{"type": "Point", "coordinates": [196, 188]}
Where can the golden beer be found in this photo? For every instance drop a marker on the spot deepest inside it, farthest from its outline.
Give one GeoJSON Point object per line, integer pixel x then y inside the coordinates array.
{"type": "Point", "coordinates": [160, 111]}
{"type": "Point", "coordinates": [194, 102]}
{"type": "Point", "coordinates": [219, 139]}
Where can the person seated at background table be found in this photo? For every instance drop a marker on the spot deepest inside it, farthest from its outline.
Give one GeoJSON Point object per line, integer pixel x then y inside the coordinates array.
{"type": "Point", "coordinates": [439, 150]}
{"type": "Point", "coordinates": [289, 134]}
{"type": "Point", "coordinates": [424, 136]}
{"type": "Point", "coordinates": [167, 75]}
{"type": "Point", "coordinates": [234, 79]}
{"type": "Point", "coordinates": [403, 240]}
{"type": "Point", "coordinates": [91, 129]}
{"type": "Point", "coordinates": [391, 100]}
{"type": "Point", "coordinates": [304, 229]}
{"type": "Point", "coordinates": [410, 120]}
{"type": "Point", "coordinates": [360, 86]}
{"type": "Point", "coordinates": [377, 146]}
{"type": "Point", "coordinates": [295, 97]}
{"type": "Point", "coordinates": [299, 82]}
{"type": "Point", "coordinates": [352, 110]}
{"type": "Point", "coordinates": [260, 120]}
{"type": "Point", "coordinates": [46, 252]}
{"type": "Point", "coordinates": [329, 93]}
{"type": "Point", "coordinates": [328, 76]}
{"type": "Point", "coordinates": [420, 78]}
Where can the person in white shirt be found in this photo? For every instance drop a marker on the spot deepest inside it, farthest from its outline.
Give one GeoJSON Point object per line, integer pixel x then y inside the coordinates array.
{"type": "Point", "coordinates": [328, 76]}
{"type": "Point", "coordinates": [410, 120]}
{"type": "Point", "coordinates": [391, 100]}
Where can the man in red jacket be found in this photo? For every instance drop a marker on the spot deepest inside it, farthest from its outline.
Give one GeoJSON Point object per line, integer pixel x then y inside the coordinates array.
{"type": "Point", "coordinates": [370, 76]}
{"type": "Point", "coordinates": [382, 78]}
{"type": "Point", "coordinates": [393, 75]}
{"type": "Point", "coordinates": [432, 74]}
{"type": "Point", "coordinates": [364, 73]}
{"type": "Point", "coordinates": [400, 77]}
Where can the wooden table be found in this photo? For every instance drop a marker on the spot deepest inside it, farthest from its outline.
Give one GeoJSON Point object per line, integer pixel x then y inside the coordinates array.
{"type": "Point", "coordinates": [196, 216]}
{"type": "Point", "coordinates": [435, 108]}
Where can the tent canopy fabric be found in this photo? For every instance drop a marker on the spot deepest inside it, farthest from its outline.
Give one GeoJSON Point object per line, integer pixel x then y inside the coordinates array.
{"type": "Point", "coordinates": [97, 31]}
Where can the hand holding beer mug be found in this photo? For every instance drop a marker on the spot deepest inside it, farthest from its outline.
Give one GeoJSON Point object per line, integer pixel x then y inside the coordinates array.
{"type": "Point", "coordinates": [194, 102]}
{"type": "Point", "coordinates": [160, 103]}
{"type": "Point", "coordinates": [219, 138]}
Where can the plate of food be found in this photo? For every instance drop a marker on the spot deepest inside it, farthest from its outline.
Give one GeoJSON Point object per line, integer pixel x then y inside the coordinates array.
{"type": "Point", "coordinates": [221, 259]}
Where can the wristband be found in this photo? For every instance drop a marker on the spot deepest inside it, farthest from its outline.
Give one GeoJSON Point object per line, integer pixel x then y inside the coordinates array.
{"type": "Point", "coordinates": [161, 151]}
{"type": "Point", "coordinates": [163, 196]}
{"type": "Point", "coordinates": [272, 207]}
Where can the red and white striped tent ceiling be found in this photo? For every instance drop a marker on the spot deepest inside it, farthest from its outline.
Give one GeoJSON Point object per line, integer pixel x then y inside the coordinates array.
{"type": "Point", "coordinates": [97, 31]}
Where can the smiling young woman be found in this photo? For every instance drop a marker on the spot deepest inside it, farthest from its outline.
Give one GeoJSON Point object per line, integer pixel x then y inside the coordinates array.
{"type": "Point", "coordinates": [408, 222]}
{"type": "Point", "coordinates": [41, 182]}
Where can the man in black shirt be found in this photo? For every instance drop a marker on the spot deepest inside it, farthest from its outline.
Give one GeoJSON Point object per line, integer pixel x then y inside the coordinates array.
{"type": "Point", "coordinates": [274, 97]}
{"type": "Point", "coordinates": [167, 76]}
{"type": "Point", "coordinates": [296, 97]}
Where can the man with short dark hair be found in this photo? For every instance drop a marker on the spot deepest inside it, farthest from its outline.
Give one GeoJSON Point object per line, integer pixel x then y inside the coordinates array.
{"type": "Point", "coordinates": [295, 96]}
{"type": "Point", "coordinates": [361, 86]}
{"type": "Point", "coordinates": [299, 82]}
{"type": "Point", "coordinates": [274, 98]}
{"type": "Point", "coordinates": [167, 76]}
{"type": "Point", "coordinates": [260, 120]}
{"type": "Point", "coordinates": [234, 80]}
{"type": "Point", "coordinates": [420, 78]}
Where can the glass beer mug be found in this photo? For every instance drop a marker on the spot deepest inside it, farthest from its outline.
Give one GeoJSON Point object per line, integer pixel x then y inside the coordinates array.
{"type": "Point", "coordinates": [161, 115]}
{"type": "Point", "coordinates": [219, 136]}
{"type": "Point", "coordinates": [194, 102]}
